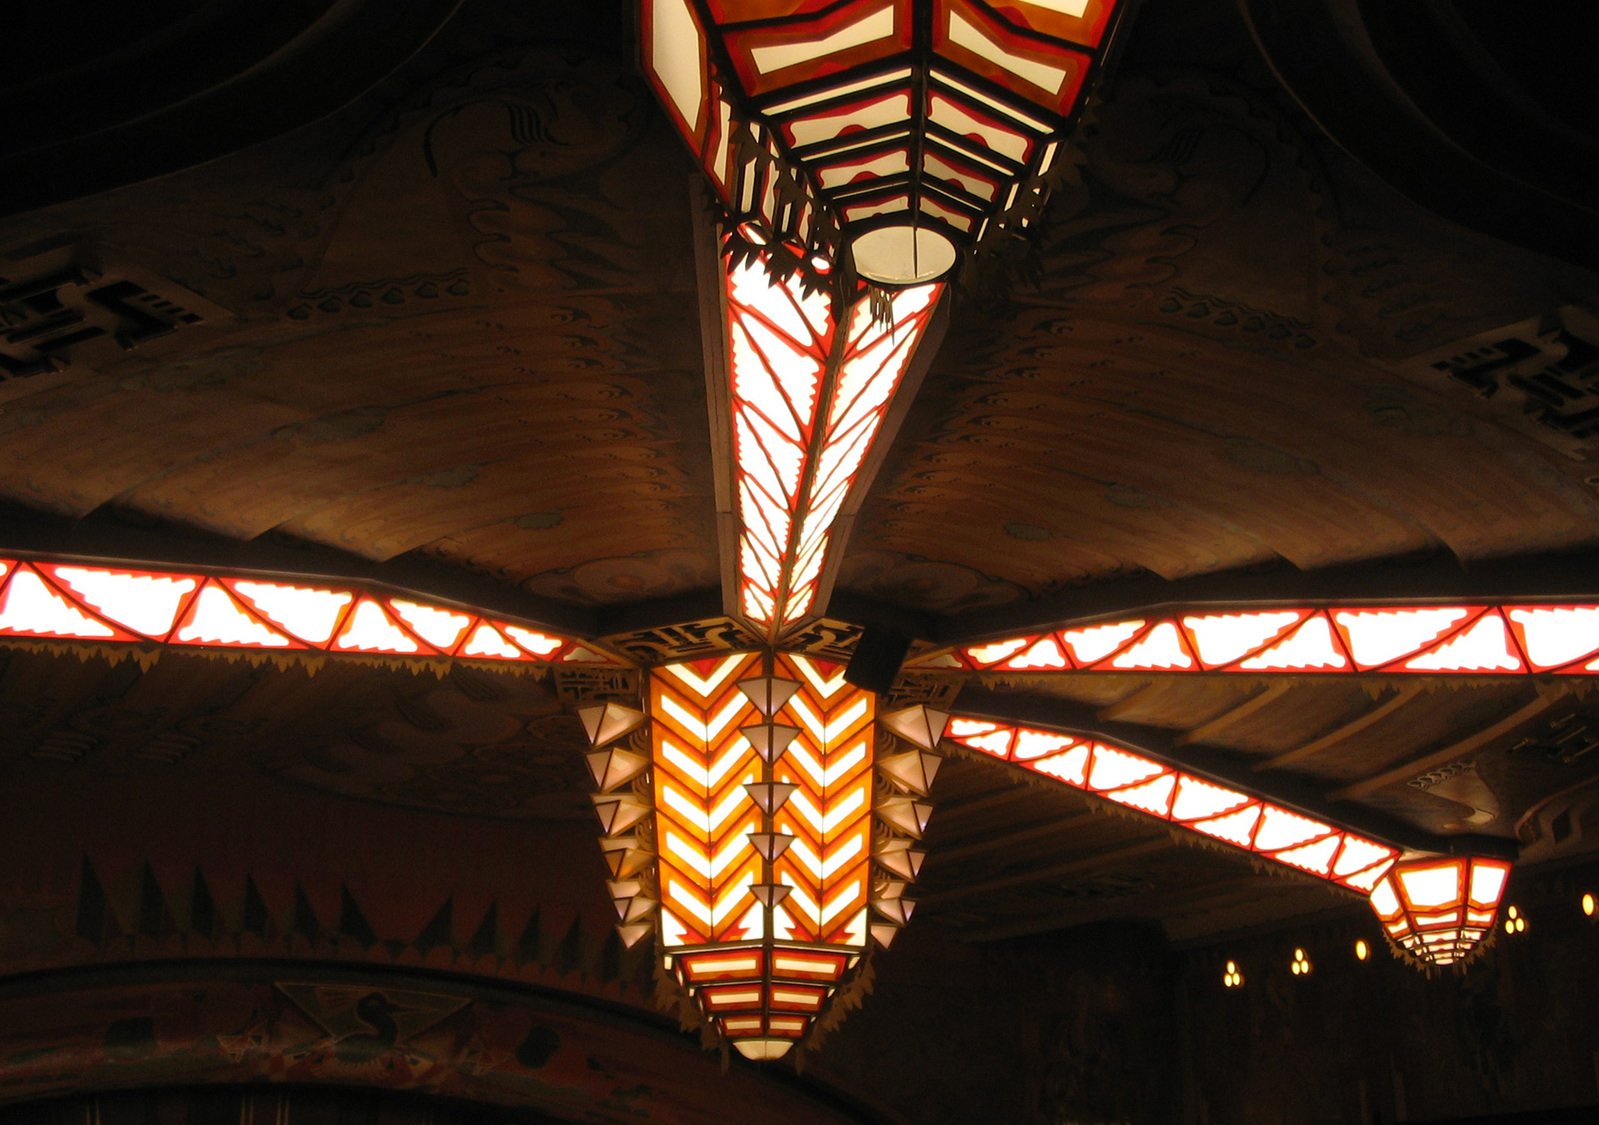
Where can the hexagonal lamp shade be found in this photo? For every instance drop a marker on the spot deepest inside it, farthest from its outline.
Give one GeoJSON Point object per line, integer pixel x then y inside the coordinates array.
{"type": "Point", "coordinates": [903, 129]}
{"type": "Point", "coordinates": [1437, 909]}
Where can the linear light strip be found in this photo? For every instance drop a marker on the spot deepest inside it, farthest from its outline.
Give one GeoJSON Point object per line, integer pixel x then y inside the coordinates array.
{"type": "Point", "coordinates": [1242, 820]}
{"type": "Point", "coordinates": [45, 600]}
{"type": "Point", "coordinates": [1479, 638]}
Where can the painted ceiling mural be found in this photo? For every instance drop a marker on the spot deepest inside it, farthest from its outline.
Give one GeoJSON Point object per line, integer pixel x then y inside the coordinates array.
{"type": "Point", "coordinates": [393, 462]}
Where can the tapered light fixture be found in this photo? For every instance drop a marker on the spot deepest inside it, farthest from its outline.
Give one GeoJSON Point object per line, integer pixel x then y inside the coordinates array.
{"type": "Point", "coordinates": [900, 131]}
{"type": "Point", "coordinates": [1437, 909]}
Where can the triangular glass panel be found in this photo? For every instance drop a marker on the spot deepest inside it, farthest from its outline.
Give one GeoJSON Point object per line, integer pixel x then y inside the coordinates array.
{"type": "Point", "coordinates": [606, 722]}
{"type": "Point", "coordinates": [769, 740]}
{"type": "Point", "coordinates": [770, 845]}
{"type": "Point", "coordinates": [618, 813]}
{"type": "Point", "coordinates": [769, 796]}
{"type": "Point", "coordinates": [768, 693]}
{"type": "Point", "coordinates": [613, 767]}
{"type": "Point", "coordinates": [920, 726]}
{"type": "Point", "coordinates": [770, 894]}
{"type": "Point", "coordinates": [913, 772]}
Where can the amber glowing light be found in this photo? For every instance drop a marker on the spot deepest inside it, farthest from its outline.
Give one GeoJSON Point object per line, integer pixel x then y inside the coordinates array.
{"type": "Point", "coordinates": [911, 129]}
{"type": "Point", "coordinates": [1476, 639]}
{"type": "Point", "coordinates": [808, 393]}
{"type": "Point", "coordinates": [58, 601]}
{"type": "Point", "coordinates": [763, 768]}
{"type": "Point", "coordinates": [1438, 909]}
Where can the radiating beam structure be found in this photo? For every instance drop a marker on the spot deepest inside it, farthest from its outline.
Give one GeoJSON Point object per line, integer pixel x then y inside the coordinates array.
{"type": "Point", "coordinates": [809, 388]}
{"type": "Point", "coordinates": [1452, 639]}
{"type": "Point", "coordinates": [1185, 800]}
{"type": "Point", "coordinates": [763, 767]}
{"type": "Point", "coordinates": [1435, 909]}
{"type": "Point", "coordinates": [52, 601]}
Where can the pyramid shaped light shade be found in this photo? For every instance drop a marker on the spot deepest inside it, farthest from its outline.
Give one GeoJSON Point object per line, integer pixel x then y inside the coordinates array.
{"type": "Point", "coordinates": [918, 725]}
{"type": "Point", "coordinates": [763, 1050]}
{"type": "Point", "coordinates": [615, 767]}
{"type": "Point", "coordinates": [770, 894]}
{"type": "Point", "coordinates": [632, 933]}
{"type": "Point", "coordinates": [912, 772]}
{"type": "Point", "coordinates": [907, 814]}
{"type": "Point", "coordinates": [884, 933]}
{"type": "Point", "coordinates": [606, 722]}
{"type": "Point", "coordinates": [770, 845]}
{"type": "Point", "coordinates": [618, 812]}
{"type": "Point", "coordinates": [769, 796]}
{"type": "Point", "coordinates": [900, 857]}
{"type": "Point", "coordinates": [769, 739]}
{"type": "Point", "coordinates": [768, 693]}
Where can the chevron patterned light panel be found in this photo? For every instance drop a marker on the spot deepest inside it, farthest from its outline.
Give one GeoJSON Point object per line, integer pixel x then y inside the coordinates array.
{"type": "Point", "coordinates": [763, 794]}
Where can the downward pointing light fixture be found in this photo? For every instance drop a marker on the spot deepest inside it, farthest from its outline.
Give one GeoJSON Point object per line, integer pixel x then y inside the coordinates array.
{"type": "Point", "coordinates": [897, 132]}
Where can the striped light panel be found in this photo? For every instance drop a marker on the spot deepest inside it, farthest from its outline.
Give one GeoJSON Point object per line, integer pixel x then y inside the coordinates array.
{"type": "Point", "coordinates": [1476, 639]}
{"type": "Point", "coordinates": [935, 117]}
{"type": "Point", "coordinates": [1247, 822]}
{"type": "Point", "coordinates": [763, 767]}
{"type": "Point", "coordinates": [61, 601]}
{"type": "Point", "coordinates": [808, 393]}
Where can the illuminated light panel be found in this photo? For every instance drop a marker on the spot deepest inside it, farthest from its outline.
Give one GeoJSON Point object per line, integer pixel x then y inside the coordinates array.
{"type": "Point", "coordinates": [911, 127]}
{"type": "Point", "coordinates": [45, 600]}
{"type": "Point", "coordinates": [762, 942]}
{"type": "Point", "coordinates": [1458, 640]}
{"type": "Point", "coordinates": [1437, 909]}
{"type": "Point", "coordinates": [1136, 781]}
{"type": "Point", "coordinates": [808, 394]}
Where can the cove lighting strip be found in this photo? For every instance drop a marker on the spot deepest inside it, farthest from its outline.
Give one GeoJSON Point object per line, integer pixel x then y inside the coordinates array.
{"type": "Point", "coordinates": [1246, 822]}
{"type": "Point", "coordinates": [61, 601]}
{"type": "Point", "coordinates": [1468, 639]}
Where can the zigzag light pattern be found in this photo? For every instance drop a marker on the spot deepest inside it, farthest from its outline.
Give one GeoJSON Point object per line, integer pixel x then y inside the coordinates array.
{"type": "Point", "coordinates": [761, 943]}
{"type": "Point", "coordinates": [807, 396]}
{"type": "Point", "coordinates": [46, 601]}
{"type": "Point", "coordinates": [1467, 639]}
{"type": "Point", "coordinates": [1240, 819]}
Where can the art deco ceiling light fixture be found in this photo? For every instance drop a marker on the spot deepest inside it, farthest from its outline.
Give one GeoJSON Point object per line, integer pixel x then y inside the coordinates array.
{"type": "Point", "coordinates": [761, 814]}
{"type": "Point", "coordinates": [894, 132]}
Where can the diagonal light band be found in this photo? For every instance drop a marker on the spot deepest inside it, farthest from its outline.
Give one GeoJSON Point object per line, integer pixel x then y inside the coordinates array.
{"type": "Point", "coordinates": [809, 390]}
{"type": "Point", "coordinates": [1475, 639]}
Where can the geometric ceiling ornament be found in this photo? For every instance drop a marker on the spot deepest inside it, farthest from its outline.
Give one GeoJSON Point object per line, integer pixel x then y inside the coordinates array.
{"type": "Point", "coordinates": [809, 380]}
{"type": "Point", "coordinates": [897, 133]}
{"type": "Point", "coordinates": [1448, 639]}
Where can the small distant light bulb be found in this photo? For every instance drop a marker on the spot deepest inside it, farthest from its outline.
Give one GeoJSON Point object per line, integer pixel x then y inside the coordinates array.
{"type": "Point", "coordinates": [1232, 978]}
{"type": "Point", "coordinates": [1515, 921]}
{"type": "Point", "coordinates": [1588, 904]}
{"type": "Point", "coordinates": [1362, 950]}
{"type": "Point", "coordinates": [1301, 964]}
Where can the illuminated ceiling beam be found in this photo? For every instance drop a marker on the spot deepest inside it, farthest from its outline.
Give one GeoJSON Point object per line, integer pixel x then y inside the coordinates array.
{"type": "Point", "coordinates": [98, 541]}
{"type": "Point", "coordinates": [1435, 908]}
{"type": "Point", "coordinates": [805, 392]}
{"type": "Point", "coordinates": [1020, 709]}
{"type": "Point", "coordinates": [1426, 636]}
{"type": "Point", "coordinates": [69, 602]}
{"type": "Point", "coordinates": [1569, 577]}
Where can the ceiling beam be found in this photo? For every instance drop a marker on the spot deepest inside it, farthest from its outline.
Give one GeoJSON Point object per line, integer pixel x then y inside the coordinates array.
{"type": "Point", "coordinates": [1057, 714]}
{"type": "Point", "coordinates": [1125, 853]}
{"type": "Point", "coordinates": [1260, 699]}
{"type": "Point", "coordinates": [1408, 580]}
{"type": "Point", "coordinates": [1395, 699]}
